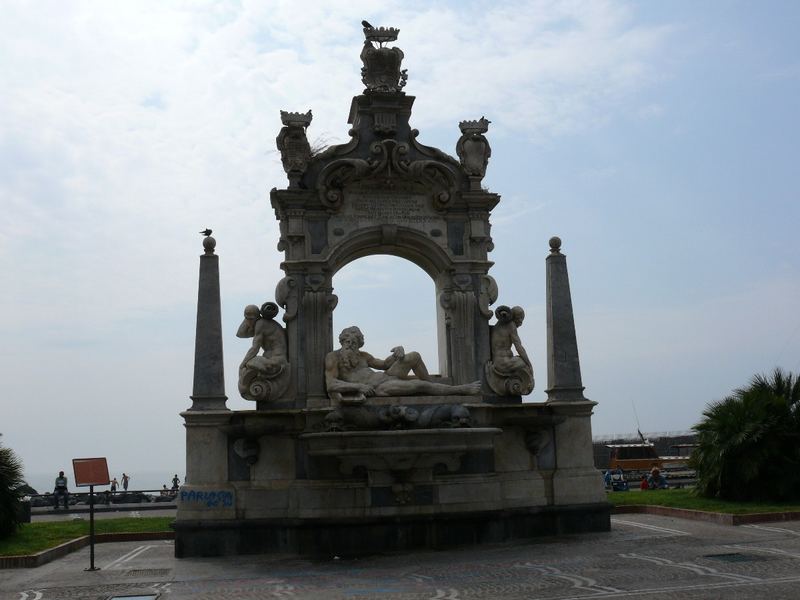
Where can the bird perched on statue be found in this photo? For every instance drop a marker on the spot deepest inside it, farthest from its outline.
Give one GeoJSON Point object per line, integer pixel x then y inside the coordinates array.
{"type": "Point", "coordinates": [366, 25]}
{"type": "Point", "coordinates": [206, 232]}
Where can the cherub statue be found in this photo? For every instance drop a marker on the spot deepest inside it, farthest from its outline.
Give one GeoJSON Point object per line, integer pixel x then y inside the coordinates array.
{"type": "Point", "coordinates": [263, 376]}
{"type": "Point", "coordinates": [507, 374]}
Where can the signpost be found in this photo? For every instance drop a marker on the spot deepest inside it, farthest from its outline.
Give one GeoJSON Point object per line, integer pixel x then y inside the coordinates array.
{"type": "Point", "coordinates": [91, 472]}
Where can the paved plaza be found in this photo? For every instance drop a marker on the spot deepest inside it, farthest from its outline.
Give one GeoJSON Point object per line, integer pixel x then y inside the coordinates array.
{"type": "Point", "coordinates": [644, 556]}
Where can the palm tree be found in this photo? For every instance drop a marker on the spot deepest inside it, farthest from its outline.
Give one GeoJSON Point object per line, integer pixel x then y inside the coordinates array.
{"type": "Point", "coordinates": [749, 443]}
{"type": "Point", "coordinates": [10, 493]}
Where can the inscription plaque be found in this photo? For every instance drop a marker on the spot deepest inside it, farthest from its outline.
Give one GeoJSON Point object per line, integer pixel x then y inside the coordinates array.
{"type": "Point", "coordinates": [365, 208]}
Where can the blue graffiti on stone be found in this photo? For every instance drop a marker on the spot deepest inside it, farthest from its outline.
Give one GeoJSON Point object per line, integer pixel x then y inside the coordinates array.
{"type": "Point", "coordinates": [218, 499]}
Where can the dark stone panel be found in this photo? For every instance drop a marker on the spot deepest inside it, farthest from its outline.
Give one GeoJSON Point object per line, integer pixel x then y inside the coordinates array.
{"type": "Point", "coordinates": [546, 459]}
{"type": "Point", "coordinates": [300, 460]}
{"type": "Point", "coordinates": [322, 467]}
{"type": "Point", "coordinates": [455, 237]}
{"type": "Point", "coordinates": [477, 461]}
{"type": "Point", "coordinates": [352, 538]}
{"type": "Point", "coordinates": [384, 496]}
{"type": "Point", "coordinates": [318, 232]}
{"type": "Point", "coordinates": [238, 469]}
{"type": "Point", "coordinates": [267, 405]}
{"type": "Point", "coordinates": [494, 399]}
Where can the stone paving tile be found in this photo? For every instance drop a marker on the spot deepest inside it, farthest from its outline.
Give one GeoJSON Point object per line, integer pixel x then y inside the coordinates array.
{"type": "Point", "coordinates": [644, 556]}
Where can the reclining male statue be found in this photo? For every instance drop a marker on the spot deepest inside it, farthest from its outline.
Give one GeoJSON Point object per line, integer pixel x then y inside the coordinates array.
{"type": "Point", "coordinates": [350, 371]}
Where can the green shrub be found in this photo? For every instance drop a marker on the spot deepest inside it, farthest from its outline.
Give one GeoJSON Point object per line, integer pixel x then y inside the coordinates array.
{"type": "Point", "coordinates": [749, 443]}
{"type": "Point", "coordinates": [10, 491]}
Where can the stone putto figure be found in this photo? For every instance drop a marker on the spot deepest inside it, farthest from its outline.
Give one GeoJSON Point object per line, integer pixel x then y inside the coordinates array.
{"type": "Point", "coordinates": [507, 374]}
{"type": "Point", "coordinates": [263, 376]}
{"type": "Point", "coordinates": [351, 375]}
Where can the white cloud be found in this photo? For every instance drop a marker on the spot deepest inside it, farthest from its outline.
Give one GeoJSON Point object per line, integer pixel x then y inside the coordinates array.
{"type": "Point", "coordinates": [127, 127]}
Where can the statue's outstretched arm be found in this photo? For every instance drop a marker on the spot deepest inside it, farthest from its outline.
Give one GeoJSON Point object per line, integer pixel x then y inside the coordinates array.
{"type": "Point", "coordinates": [377, 363]}
{"type": "Point", "coordinates": [520, 350]}
{"type": "Point", "coordinates": [253, 351]}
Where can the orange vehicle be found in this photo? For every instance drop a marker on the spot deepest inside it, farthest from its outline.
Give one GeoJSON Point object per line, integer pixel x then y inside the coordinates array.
{"type": "Point", "coordinates": [643, 457]}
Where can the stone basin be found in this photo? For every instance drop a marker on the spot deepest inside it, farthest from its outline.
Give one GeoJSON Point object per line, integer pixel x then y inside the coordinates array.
{"type": "Point", "coordinates": [395, 451]}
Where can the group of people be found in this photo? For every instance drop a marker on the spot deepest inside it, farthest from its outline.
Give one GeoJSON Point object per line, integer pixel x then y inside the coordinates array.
{"type": "Point", "coordinates": [654, 481]}
{"type": "Point", "coordinates": [114, 483]}
{"type": "Point", "coordinates": [615, 480]}
{"type": "Point", "coordinates": [61, 488]}
{"type": "Point", "coordinates": [176, 483]}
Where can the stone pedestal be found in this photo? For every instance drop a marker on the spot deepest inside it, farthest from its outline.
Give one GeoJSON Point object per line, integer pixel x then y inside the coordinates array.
{"type": "Point", "coordinates": [356, 492]}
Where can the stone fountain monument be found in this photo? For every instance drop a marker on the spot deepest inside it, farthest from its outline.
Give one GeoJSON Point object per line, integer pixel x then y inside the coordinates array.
{"type": "Point", "coordinates": [347, 453]}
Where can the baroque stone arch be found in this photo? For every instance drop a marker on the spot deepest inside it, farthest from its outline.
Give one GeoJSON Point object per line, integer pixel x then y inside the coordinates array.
{"type": "Point", "coordinates": [391, 240]}
{"type": "Point", "coordinates": [384, 192]}
{"type": "Point", "coordinates": [414, 247]}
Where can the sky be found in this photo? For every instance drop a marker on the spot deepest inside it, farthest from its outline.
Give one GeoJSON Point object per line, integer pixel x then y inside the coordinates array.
{"type": "Point", "coordinates": [660, 141]}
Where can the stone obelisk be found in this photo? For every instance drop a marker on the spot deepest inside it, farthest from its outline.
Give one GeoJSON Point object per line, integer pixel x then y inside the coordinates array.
{"type": "Point", "coordinates": [563, 367]}
{"type": "Point", "coordinates": [208, 392]}
{"type": "Point", "coordinates": [575, 480]}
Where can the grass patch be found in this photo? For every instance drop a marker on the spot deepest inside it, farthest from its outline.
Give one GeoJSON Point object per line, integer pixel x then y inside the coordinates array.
{"type": "Point", "coordinates": [35, 537]}
{"type": "Point", "coordinates": [686, 498]}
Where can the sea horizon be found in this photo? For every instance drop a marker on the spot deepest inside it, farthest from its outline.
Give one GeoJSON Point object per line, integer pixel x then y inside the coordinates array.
{"type": "Point", "coordinates": [43, 483]}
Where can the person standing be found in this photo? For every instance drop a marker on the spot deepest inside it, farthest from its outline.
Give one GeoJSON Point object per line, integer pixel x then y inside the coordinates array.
{"type": "Point", "coordinates": [60, 491]}
{"type": "Point", "coordinates": [114, 484]}
{"type": "Point", "coordinates": [125, 479]}
{"type": "Point", "coordinates": [176, 482]}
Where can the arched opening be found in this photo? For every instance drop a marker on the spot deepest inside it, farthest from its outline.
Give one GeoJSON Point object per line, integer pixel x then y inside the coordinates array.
{"type": "Point", "coordinates": [394, 303]}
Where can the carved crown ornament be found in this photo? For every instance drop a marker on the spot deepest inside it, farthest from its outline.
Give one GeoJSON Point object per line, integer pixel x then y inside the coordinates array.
{"type": "Point", "coordinates": [474, 127]}
{"type": "Point", "coordinates": [473, 150]}
{"type": "Point", "coordinates": [296, 119]}
{"type": "Point", "coordinates": [293, 145]}
{"type": "Point", "coordinates": [381, 71]}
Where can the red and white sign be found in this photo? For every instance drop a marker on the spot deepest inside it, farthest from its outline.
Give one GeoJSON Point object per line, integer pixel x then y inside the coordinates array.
{"type": "Point", "coordinates": [90, 471]}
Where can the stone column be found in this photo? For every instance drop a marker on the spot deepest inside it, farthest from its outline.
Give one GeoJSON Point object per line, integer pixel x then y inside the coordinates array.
{"type": "Point", "coordinates": [563, 367]}
{"type": "Point", "coordinates": [208, 392]}
{"type": "Point", "coordinates": [575, 480]}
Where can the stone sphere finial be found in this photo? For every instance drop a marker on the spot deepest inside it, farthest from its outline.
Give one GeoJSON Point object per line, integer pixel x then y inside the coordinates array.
{"type": "Point", "coordinates": [555, 245]}
{"type": "Point", "coordinates": [209, 243]}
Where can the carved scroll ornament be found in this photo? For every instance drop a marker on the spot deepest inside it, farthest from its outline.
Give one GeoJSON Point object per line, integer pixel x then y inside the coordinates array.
{"type": "Point", "coordinates": [387, 162]}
